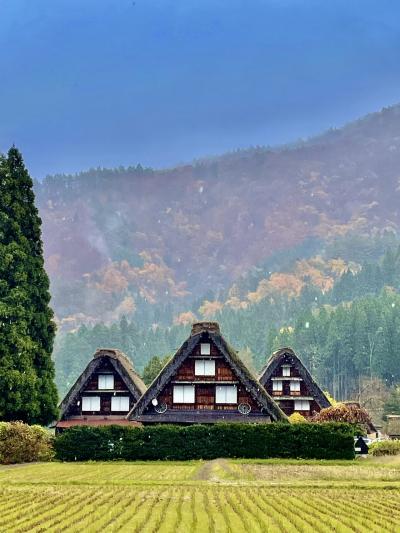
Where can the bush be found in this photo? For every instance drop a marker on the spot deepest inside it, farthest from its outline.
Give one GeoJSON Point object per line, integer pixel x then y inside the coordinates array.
{"type": "Point", "coordinates": [308, 441]}
{"type": "Point", "coordinates": [297, 418]}
{"type": "Point", "coordinates": [385, 447]}
{"type": "Point", "coordinates": [340, 412]}
{"type": "Point", "coordinates": [20, 443]}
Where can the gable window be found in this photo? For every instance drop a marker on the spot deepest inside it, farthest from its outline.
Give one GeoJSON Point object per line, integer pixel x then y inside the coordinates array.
{"type": "Point", "coordinates": [120, 403]}
{"type": "Point", "coordinates": [106, 381]}
{"type": "Point", "coordinates": [295, 386]}
{"type": "Point", "coordinates": [90, 403]}
{"type": "Point", "coordinates": [226, 394]}
{"type": "Point", "coordinates": [205, 348]}
{"type": "Point", "coordinates": [301, 405]}
{"type": "Point", "coordinates": [277, 386]}
{"type": "Point", "coordinates": [204, 367]}
{"type": "Point", "coordinates": [286, 371]}
{"type": "Point", "coordinates": [183, 394]}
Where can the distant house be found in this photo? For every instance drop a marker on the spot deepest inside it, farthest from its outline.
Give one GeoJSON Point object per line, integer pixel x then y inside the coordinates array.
{"type": "Point", "coordinates": [290, 384]}
{"type": "Point", "coordinates": [103, 394]}
{"type": "Point", "coordinates": [205, 382]}
{"type": "Point", "coordinates": [393, 426]}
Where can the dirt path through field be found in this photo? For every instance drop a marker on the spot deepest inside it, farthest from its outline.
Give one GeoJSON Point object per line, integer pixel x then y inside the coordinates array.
{"type": "Point", "coordinates": [212, 470]}
{"type": "Point", "coordinates": [18, 465]}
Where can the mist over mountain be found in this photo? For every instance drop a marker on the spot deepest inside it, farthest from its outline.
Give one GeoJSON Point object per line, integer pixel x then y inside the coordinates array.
{"type": "Point", "coordinates": [116, 239]}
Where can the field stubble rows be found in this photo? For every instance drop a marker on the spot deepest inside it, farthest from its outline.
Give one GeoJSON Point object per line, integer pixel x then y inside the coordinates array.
{"type": "Point", "coordinates": [215, 496]}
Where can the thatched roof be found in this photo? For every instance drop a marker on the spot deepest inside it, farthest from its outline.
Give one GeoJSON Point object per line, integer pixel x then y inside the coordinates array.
{"type": "Point", "coordinates": [393, 426]}
{"type": "Point", "coordinates": [287, 356]}
{"type": "Point", "coordinates": [121, 364]}
{"type": "Point", "coordinates": [200, 332]}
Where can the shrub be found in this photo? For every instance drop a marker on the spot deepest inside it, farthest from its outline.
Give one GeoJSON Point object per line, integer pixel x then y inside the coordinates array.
{"type": "Point", "coordinates": [21, 443]}
{"type": "Point", "coordinates": [297, 418]}
{"type": "Point", "coordinates": [307, 440]}
{"type": "Point", "coordinates": [385, 447]}
{"type": "Point", "coordinates": [341, 412]}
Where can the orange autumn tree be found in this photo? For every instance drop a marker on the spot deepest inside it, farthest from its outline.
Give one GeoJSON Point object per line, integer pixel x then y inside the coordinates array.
{"type": "Point", "coordinates": [351, 413]}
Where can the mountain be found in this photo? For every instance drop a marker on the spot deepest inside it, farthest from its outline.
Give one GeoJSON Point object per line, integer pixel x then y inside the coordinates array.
{"type": "Point", "coordinates": [118, 241]}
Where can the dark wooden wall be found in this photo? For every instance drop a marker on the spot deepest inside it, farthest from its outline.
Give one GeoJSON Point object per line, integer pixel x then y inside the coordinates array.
{"type": "Point", "coordinates": [205, 393]}
{"type": "Point", "coordinates": [287, 406]}
{"type": "Point", "coordinates": [105, 396]}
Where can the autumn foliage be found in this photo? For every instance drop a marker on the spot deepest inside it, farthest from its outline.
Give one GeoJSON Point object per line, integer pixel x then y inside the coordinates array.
{"type": "Point", "coordinates": [341, 412]}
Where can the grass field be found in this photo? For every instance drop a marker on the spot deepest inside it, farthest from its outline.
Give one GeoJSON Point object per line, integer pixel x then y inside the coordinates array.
{"type": "Point", "coordinates": [211, 496]}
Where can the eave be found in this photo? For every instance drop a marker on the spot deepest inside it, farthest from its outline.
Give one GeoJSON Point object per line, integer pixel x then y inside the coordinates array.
{"type": "Point", "coordinates": [202, 417]}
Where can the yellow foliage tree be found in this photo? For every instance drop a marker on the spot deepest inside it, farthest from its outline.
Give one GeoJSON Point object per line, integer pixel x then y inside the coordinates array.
{"type": "Point", "coordinates": [210, 309]}
{"type": "Point", "coordinates": [297, 418]}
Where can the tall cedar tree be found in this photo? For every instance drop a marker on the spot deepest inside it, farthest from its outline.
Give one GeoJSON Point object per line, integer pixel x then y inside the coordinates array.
{"type": "Point", "coordinates": [27, 389]}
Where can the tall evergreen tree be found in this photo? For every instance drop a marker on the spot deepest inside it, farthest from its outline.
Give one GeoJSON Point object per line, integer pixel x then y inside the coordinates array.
{"type": "Point", "coordinates": [27, 389]}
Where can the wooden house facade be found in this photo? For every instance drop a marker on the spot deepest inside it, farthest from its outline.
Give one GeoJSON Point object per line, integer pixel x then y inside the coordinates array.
{"type": "Point", "coordinates": [103, 394]}
{"type": "Point", "coordinates": [205, 382]}
{"type": "Point", "coordinates": [393, 426]}
{"type": "Point", "coordinates": [290, 384]}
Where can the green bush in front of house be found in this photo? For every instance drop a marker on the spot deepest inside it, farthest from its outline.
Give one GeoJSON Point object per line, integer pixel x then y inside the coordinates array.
{"type": "Point", "coordinates": [21, 443]}
{"type": "Point", "coordinates": [385, 447]}
{"type": "Point", "coordinates": [171, 442]}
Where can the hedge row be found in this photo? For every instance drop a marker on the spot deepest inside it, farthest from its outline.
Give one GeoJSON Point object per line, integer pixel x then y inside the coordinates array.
{"type": "Point", "coordinates": [21, 443]}
{"type": "Point", "coordinates": [307, 441]}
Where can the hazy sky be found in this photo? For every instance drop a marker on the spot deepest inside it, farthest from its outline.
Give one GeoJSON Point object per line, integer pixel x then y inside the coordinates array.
{"type": "Point", "coordinates": [116, 82]}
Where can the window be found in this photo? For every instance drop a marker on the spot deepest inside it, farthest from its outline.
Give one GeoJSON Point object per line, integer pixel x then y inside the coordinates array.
{"type": "Point", "coordinates": [106, 381]}
{"type": "Point", "coordinates": [277, 385]}
{"type": "Point", "coordinates": [204, 367]}
{"type": "Point", "coordinates": [120, 403]}
{"type": "Point", "coordinates": [226, 394]}
{"type": "Point", "coordinates": [90, 403]}
{"type": "Point", "coordinates": [286, 371]}
{"type": "Point", "coordinates": [301, 405]}
{"type": "Point", "coordinates": [295, 386]}
{"type": "Point", "coordinates": [205, 348]}
{"type": "Point", "coordinates": [183, 394]}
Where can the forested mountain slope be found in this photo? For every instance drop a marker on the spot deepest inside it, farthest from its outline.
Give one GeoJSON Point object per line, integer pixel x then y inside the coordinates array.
{"type": "Point", "coordinates": [345, 334]}
{"type": "Point", "coordinates": [118, 241]}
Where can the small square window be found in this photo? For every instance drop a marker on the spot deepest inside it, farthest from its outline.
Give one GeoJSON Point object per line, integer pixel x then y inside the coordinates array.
{"type": "Point", "coordinates": [120, 403]}
{"type": "Point", "coordinates": [183, 394]}
{"type": "Point", "coordinates": [302, 405]}
{"type": "Point", "coordinates": [226, 394]}
{"type": "Point", "coordinates": [286, 371]}
{"type": "Point", "coordinates": [106, 381]}
{"type": "Point", "coordinates": [277, 385]}
{"type": "Point", "coordinates": [204, 367]}
{"type": "Point", "coordinates": [90, 403]}
{"type": "Point", "coordinates": [205, 348]}
{"type": "Point", "coordinates": [295, 386]}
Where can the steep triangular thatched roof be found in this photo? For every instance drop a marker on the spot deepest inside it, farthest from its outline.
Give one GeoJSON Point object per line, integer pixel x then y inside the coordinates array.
{"type": "Point", "coordinates": [287, 356]}
{"type": "Point", "coordinates": [120, 363]}
{"type": "Point", "coordinates": [201, 331]}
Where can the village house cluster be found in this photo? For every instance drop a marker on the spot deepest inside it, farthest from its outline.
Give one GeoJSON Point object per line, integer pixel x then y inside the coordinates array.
{"type": "Point", "coordinates": [204, 382]}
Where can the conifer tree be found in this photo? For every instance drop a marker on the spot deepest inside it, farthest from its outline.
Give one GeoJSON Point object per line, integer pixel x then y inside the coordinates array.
{"type": "Point", "coordinates": [27, 389]}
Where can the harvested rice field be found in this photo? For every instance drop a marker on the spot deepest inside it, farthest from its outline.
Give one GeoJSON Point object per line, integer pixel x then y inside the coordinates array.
{"type": "Point", "coordinates": [209, 496]}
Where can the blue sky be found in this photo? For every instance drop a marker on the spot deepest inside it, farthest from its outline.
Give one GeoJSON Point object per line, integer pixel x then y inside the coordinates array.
{"type": "Point", "coordinates": [116, 82]}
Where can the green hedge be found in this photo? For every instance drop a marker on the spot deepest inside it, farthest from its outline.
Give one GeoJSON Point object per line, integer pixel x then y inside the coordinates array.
{"type": "Point", "coordinates": [307, 441]}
